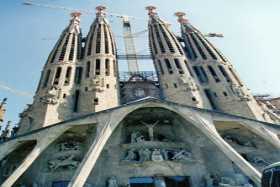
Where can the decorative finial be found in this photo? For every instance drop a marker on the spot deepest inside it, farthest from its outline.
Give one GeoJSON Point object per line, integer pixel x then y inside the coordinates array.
{"type": "Point", "coordinates": [76, 14]}
{"type": "Point", "coordinates": [181, 17]}
{"type": "Point", "coordinates": [151, 10]}
{"type": "Point", "coordinates": [101, 10]}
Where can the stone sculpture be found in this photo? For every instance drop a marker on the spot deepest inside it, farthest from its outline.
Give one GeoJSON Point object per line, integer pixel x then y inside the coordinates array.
{"type": "Point", "coordinates": [137, 137]}
{"type": "Point", "coordinates": [112, 182]}
{"type": "Point", "coordinates": [63, 162]}
{"type": "Point", "coordinates": [69, 146]}
{"type": "Point", "coordinates": [156, 155]}
{"type": "Point", "coordinates": [181, 155]}
{"type": "Point", "coordinates": [131, 155]}
{"type": "Point", "coordinates": [145, 155]}
{"type": "Point", "coordinates": [150, 129]}
{"type": "Point", "coordinates": [50, 97]}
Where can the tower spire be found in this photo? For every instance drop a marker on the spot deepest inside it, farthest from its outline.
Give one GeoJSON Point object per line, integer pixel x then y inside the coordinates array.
{"type": "Point", "coordinates": [218, 80]}
{"type": "Point", "coordinates": [55, 89]}
{"type": "Point", "coordinates": [171, 64]}
{"type": "Point", "coordinates": [101, 11]}
{"type": "Point", "coordinates": [100, 66]}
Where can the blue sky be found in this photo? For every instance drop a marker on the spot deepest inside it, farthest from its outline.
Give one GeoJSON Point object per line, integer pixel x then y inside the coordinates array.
{"type": "Point", "coordinates": [251, 42]}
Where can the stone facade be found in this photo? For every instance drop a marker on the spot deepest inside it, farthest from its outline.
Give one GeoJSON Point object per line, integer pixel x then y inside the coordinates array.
{"type": "Point", "coordinates": [84, 128]}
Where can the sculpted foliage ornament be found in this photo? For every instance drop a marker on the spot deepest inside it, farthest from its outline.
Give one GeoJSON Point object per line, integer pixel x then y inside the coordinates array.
{"type": "Point", "coordinates": [51, 97]}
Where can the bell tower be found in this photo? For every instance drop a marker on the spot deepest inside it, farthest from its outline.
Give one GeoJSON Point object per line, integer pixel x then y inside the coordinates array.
{"type": "Point", "coordinates": [217, 78]}
{"type": "Point", "coordinates": [53, 99]}
{"type": "Point", "coordinates": [98, 86]}
{"type": "Point", "coordinates": [171, 64]}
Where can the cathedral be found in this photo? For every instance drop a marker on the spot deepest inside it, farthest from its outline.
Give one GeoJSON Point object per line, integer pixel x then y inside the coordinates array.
{"type": "Point", "coordinates": [193, 123]}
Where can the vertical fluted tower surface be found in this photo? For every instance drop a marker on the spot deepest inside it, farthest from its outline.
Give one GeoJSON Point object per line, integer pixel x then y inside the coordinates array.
{"type": "Point", "coordinates": [217, 78]}
{"type": "Point", "coordinates": [171, 64]}
{"type": "Point", "coordinates": [53, 99]}
{"type": "Point", "coordinates": [97, 86]}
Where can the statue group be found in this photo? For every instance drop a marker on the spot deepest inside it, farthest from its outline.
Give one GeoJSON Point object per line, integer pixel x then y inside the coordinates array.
{"type": "Point", "coordinates": [157, 155]}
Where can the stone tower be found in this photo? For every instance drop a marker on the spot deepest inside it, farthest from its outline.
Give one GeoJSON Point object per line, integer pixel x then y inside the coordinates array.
{"type": "Point", "coordinates": [216, 75]}
{"type": "Point", "coordinates": [53, 101]}
{"type": "Point", "coordinates": [171, 64]}
{"type": "Point", "coordinates": [98, 85]}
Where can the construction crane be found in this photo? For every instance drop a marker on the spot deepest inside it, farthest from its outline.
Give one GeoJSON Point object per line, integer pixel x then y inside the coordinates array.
{"type": "Point", "coordinates": [212, 35]}
{"type": "Point", "coordinates": [128, 36]}
{"type": "Point", "coordinates": [129, 46]}
{"type": "Point", "coordinates": [2, 109]}
{"type": "Point", "coordinates": [14, 91]}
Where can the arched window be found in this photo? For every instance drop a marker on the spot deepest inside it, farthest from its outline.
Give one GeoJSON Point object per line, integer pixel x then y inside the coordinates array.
{"type": "Point", "coordinates": [68, 76]}
{"type": "Point", "coordinates": [214, 74]}
{"type": "Point", "coordinates": [47, 78]}
{"type": "Point", "coordinates": [88, 69]}
{"type": "Point", "coordinates": [57, 76]}
{"type": "Point", "coordinates": [78, 75]}
{"type": "Point", "coordinates": [106, 39]}
{"type": "Point", "coordinates": [201, 74]}
{"type": "Point", "coordinates": [178, 66]}
{"type": "Point", "coordinates": [97, 67]}
{"type": "Point", "coordinates": [76, 101]}
{"type": "Point", "coordinates": [152, 40]}
{"type": "Point", "coordinates": [64, 48]}
{"type": "Point", "coordinates": [71, 55]}
{"type": "Point", "coordinates": [107, 67]}
{"type": "Point", "coordinates": [159, 40]}
{"type": "Point", "coordinates": [188, 67]}
{"type": "Point", "coordinates": [206, 46]}
{"type": "Point", "coordinates": [98, 40]}
{"type": "Point", "coordinates": [225, 74]}
{"type": "Point", "coordinates": [167, 39]}
{"type": "Point", "coordinates": [198, 46]}
{"type": "Point", "coordinates": [91, 40]}
{"type": "Point", "coordinates": [191, 54]}
{"type": "Point", "coordinates": [168, 65]}
{"type": "Point", "coordinates": [160, 67]}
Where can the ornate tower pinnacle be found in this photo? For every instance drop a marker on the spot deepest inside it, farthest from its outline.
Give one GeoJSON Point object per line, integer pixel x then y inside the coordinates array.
{"type": "Point", "coordinates": [181, 17]}
{"type": "Point", "coordinates": [54, 96]}
{"type": "Point", "coordinates": [101, 11]}
{"type": "Point", "coordinates": [171, 64]}
{"type": "Point", "coordinates": [151, 10]}
{"type": "Point", "coordinates": [218, 80]}
{"type": "Point", "coordinates": [99, 65]}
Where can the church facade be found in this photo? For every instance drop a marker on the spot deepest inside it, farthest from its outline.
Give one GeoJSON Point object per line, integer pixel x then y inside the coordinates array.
{"type": "Point", "coordinates": [195, 124]}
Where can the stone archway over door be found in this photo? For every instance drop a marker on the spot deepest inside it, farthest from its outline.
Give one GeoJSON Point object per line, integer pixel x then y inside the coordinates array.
{"type": "Point", "coordinates": [110, 126]}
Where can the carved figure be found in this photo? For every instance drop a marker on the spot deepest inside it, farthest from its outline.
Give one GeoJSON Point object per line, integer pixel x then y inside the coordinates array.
{"type": "Point", "coordinates": [151, 129]}
{"type": "Point", "coordinates": [209, 181]}
{"type": "Point", "coordinates": [136, 137]}
{"type": "Point", "coordinates": [156, 155]}
{"type": "Point", "coordinates": [112, 182]}
{"type": "Point", "coordinates": [63, 162]}
{"type": "Point", "coordinates": [50, 97]}
{"type": "Point", "coordinates": [131, 155]}
{"type": "Point", "coordinates": [182, 155]}
{"type": "Point", "coordinates": [145, 155]}
{"type": "Point", "coordinates": [69, 146]}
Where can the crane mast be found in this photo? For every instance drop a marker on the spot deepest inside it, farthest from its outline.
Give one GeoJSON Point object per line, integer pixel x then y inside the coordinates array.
{"type": "Point", "coordinates": [129, 46]}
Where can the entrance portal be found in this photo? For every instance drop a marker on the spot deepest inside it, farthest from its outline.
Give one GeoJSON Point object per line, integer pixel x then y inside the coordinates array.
{"type": "Point", "coordinates": [177, 181]}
